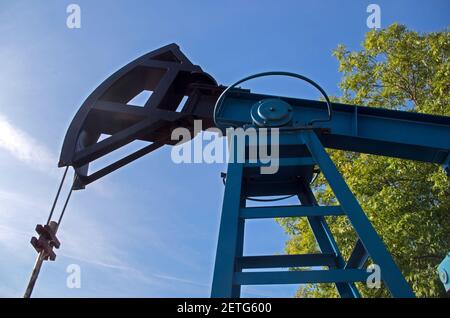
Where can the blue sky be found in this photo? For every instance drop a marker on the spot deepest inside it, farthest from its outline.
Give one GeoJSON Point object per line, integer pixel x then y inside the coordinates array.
{"type": "Point", "coordinates": [151, 228]}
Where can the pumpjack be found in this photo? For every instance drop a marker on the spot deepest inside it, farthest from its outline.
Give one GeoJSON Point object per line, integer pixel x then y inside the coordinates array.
{"type": "Point", "coordinates": [305, 127]}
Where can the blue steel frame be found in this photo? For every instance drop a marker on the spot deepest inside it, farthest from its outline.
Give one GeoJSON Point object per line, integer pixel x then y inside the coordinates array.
{"type": "Point", "coordinates": [378, 131]}
{"type": "Point", "coordinates": [171, 76]}
{"type": "Point", "coordinates": [230, 262]}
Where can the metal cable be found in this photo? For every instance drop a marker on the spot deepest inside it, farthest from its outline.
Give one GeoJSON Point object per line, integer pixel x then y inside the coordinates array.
{"type": "Point", "coordinates": [65, 206]}
{"type": "Point", "coordinates": [57, 195]}
{"type": "Point", "coordinates": [271, 200]}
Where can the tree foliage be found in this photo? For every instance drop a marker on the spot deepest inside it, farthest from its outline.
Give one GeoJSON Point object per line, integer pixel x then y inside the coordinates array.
{"type": "Point", "coordinates": [407, 202]}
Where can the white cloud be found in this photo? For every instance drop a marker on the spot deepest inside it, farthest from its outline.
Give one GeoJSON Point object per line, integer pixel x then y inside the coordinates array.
{"type": "Point", "coordinates": [84, 237]}
{"type": "Point", "coordinates": [24, 147]}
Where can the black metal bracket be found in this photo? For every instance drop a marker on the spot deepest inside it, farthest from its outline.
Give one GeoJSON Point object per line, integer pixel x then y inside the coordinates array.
{"type": "Point", "coordinates": [169, 74]}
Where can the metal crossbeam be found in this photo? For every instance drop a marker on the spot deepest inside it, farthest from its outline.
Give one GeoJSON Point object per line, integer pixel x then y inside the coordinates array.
{"type": "Point", "coordinates": [301, 277]}
{"type": "Point", "coordinates": [404, 135]}
{"type": "Point", "coordinates": [267, 212]}
{"type": "Point", "coordinates": [297, 161]}
{"type": "Point", "coordinates": [359, 256]}
{"type": "Point", "coordinates": [280, 261]}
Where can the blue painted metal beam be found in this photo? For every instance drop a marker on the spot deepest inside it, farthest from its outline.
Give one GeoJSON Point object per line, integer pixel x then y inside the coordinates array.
{"type": "Point", "coordinates": [301, 277]}
{"type": "Point", "coordinates": [289, 211]}
{"type": "Point", "coordinates": [371, 130]}
{"type": "Point", "coordinates": [281, 261]}
{"type": "Point", "coordinates": [359, 256]}
{"type": "Point", "coordinates": [326, 241]}
{"type": "Point", "coordinates": [297, 161]}
{"type": "Point", "coordinates": [230, 235]}
{"type": "Point", "coordinates": [390, 273]}
{"type": "Point", "coordinates": [236, 289]}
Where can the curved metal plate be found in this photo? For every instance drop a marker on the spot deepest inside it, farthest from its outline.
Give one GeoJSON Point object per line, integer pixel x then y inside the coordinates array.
{"type": "Point", "coordinates": [168, 73]}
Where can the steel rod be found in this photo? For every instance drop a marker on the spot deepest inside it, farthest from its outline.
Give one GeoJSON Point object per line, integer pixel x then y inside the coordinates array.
{"type": "Point", "coordinates": [57, 195]}
{"type": "Point", "coordinates": [34, 275]}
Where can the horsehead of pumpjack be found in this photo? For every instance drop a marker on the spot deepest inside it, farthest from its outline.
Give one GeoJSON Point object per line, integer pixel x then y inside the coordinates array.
{"type": "Point", "coordinates": [169, 74]}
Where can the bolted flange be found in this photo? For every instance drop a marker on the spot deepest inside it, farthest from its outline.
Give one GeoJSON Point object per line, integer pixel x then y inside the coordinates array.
{"type": "Point", "coordinates": [272, 112]}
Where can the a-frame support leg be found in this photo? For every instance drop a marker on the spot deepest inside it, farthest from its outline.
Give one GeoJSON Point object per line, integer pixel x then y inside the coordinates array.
{"type": "Point", "coordinates": [325, 240]}
{"type": "Point", "coordinates": [231, 236]}
{"type": "Point", "coordinates": [390, 273]}
{"type": "Point", "coordinates": [236, 289]}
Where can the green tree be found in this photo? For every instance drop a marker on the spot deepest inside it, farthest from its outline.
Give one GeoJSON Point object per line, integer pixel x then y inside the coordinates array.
{"type": "Point", "coordinates": [407, 202]}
